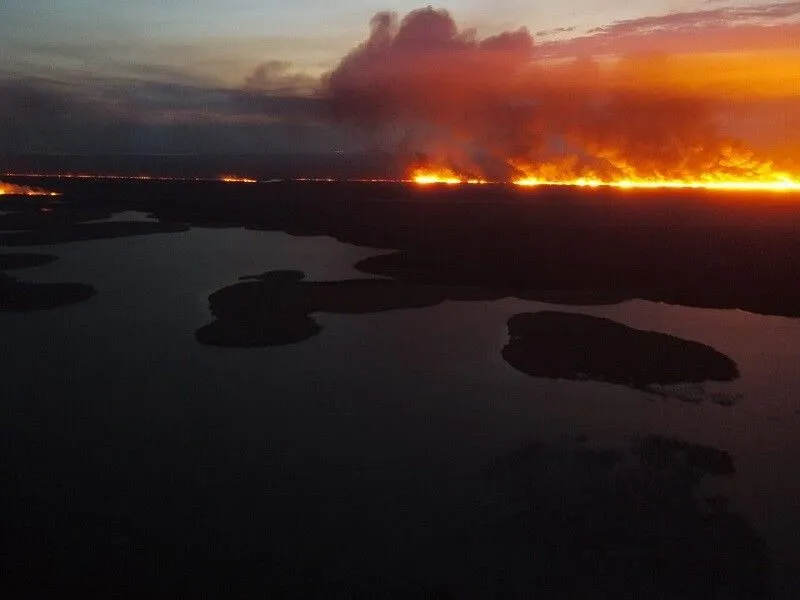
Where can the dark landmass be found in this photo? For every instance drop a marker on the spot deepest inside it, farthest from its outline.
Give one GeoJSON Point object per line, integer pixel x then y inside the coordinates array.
{"type": "Point", "coordinates": [23, 296]}
{"type": "Point", "coordinates": [86, 231]}
{"type": "Point", "coordinates": [24, 260]}
{"type": "Point", "coordinates": [35, 213]}
{"type": "Point", "coordinates": [690, 248]}
{"type": "Point", "coordinates": [565, 520]}
{"type": "Point", "coordinates": [573, 346]}
{"type": "Point", "coordinates": [275, 308]}
{"type": "Point", "coordinates": [20, 296]}
{"type": "Point", "coordinates": [614, 266]}
{"type": "Point", "coordinates": [693, 248]}
{"type": "Point", "coordinates": [33, 221]}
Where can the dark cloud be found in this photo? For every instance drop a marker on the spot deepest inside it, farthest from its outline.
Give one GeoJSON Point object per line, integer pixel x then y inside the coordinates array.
{"type": "Point", "coordinates": [90, 115]}
{"type": "Point", "coordinates": [763, 14]}
{"type": "Point", "coordinates": [764, 26]}
{"type": "Point", "coordinates": [556, 31]}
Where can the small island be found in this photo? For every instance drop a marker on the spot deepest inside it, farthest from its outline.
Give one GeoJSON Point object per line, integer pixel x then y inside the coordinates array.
{"type": "Point", "coordinates": [21, 296]}
{"type": "Point", "coordinates": [274, 308]}
{"type": "Point", "coordinates": [24, 260]}
{"type": "Point", "coordinates": [559, 345]}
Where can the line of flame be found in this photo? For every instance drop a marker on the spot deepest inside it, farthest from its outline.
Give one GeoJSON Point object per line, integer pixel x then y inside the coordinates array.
{"type": "Point", "coordinates": [433, 178]}
{"type": "Point", "coordinates": [92, 176]}
{"type": "Point", "coordinates": [783, 185]}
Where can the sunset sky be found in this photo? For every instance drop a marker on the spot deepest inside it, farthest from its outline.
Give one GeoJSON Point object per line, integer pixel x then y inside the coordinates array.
{"type": "Point", "coordinates": [244, 76]}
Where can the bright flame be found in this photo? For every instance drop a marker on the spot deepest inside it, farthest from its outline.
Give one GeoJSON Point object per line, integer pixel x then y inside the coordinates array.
{"type": "Point", "coordinates": [440, 175]}
{"type": "Point", "coordinates": [542, 176]}
{"type": "Point", "coordinates": [729, 168]}
{"type": "Point", "coordinates": [788, 185]}
{"type": "Point", "coordinates": [235, 179]}
{"type": "Point", "coordinates": [764, 181]}
{"type": "Point", "coordinates": [8, 189]}
{"type": "Point", "coordinates": [434, 176]}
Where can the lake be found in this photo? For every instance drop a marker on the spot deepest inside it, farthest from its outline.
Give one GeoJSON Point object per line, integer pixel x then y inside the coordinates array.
{"type": "Point", "coordinates": [385, 456]}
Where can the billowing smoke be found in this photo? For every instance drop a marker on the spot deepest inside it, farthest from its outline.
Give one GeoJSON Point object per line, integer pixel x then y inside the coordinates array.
{"type": "Point", "coordinates": [489, 104]}
{"type": "Point", "coordinates": [436, 89]}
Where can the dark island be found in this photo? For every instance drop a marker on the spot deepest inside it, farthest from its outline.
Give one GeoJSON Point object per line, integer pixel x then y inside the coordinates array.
{"type": "Point", "coordinates": [20, 296]}
{"type": "Point", "coordinates": [560, 345]}
{"type": "Point", "coordinates": [47, 221]}
{"type": "Point", "coordinates": [274, 308]}
{"type": "Point", "coordinates": [9, 262]}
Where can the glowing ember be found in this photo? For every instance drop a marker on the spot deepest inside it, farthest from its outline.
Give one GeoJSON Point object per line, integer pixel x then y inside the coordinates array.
{"type": "Point", "coordinates": [8, 189]}
{"type": "Point", "coordinates": [234, 179]}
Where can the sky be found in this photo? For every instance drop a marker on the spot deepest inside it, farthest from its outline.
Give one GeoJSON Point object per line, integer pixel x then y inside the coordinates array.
{"type": "Point", "coordinates": [247, 76]}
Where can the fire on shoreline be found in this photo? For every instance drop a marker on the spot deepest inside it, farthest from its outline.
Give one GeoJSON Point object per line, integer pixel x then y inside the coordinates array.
{"type": "Point", "coordinates": [11, 189]}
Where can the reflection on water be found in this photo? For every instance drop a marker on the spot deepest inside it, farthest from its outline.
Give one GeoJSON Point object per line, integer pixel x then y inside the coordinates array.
{"type": "Point", "coordinates": [125, 216]}
{"type": "Point", "coordinates": [585, 522]}
{"type": "Point", "coordinates": [137, 457]}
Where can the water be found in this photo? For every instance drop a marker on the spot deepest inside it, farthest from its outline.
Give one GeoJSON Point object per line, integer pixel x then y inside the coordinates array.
{"type": "Point", "coordinates": [347, 453]}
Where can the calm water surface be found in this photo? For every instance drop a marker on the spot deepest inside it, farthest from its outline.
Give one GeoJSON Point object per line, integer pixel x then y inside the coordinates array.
{"type": "Point", "coordinates": [342, 452]}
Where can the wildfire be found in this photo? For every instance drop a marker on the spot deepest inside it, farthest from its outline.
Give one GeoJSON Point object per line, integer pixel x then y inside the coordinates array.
{"type": "Point", "coordinates": [788, 185]}
{"type": "Point", "coordinates": [440, 175]}
{"type": "Point", "coordinates": [780, 183]}
{"type": "Point", "coordinates": [722, 165]}
{"type": "Point", "coordinates": [743, 174]}
{"type": "Point", "coordinates": [8, 189]}
{"type": "Point", "coordinates": [234, 179]}
{"type": "Point", "coordinates": [763, 179]}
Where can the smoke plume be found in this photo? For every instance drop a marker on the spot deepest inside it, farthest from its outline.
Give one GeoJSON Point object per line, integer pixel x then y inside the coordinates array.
{"type": "Point", "coordinates": [491, 104]}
